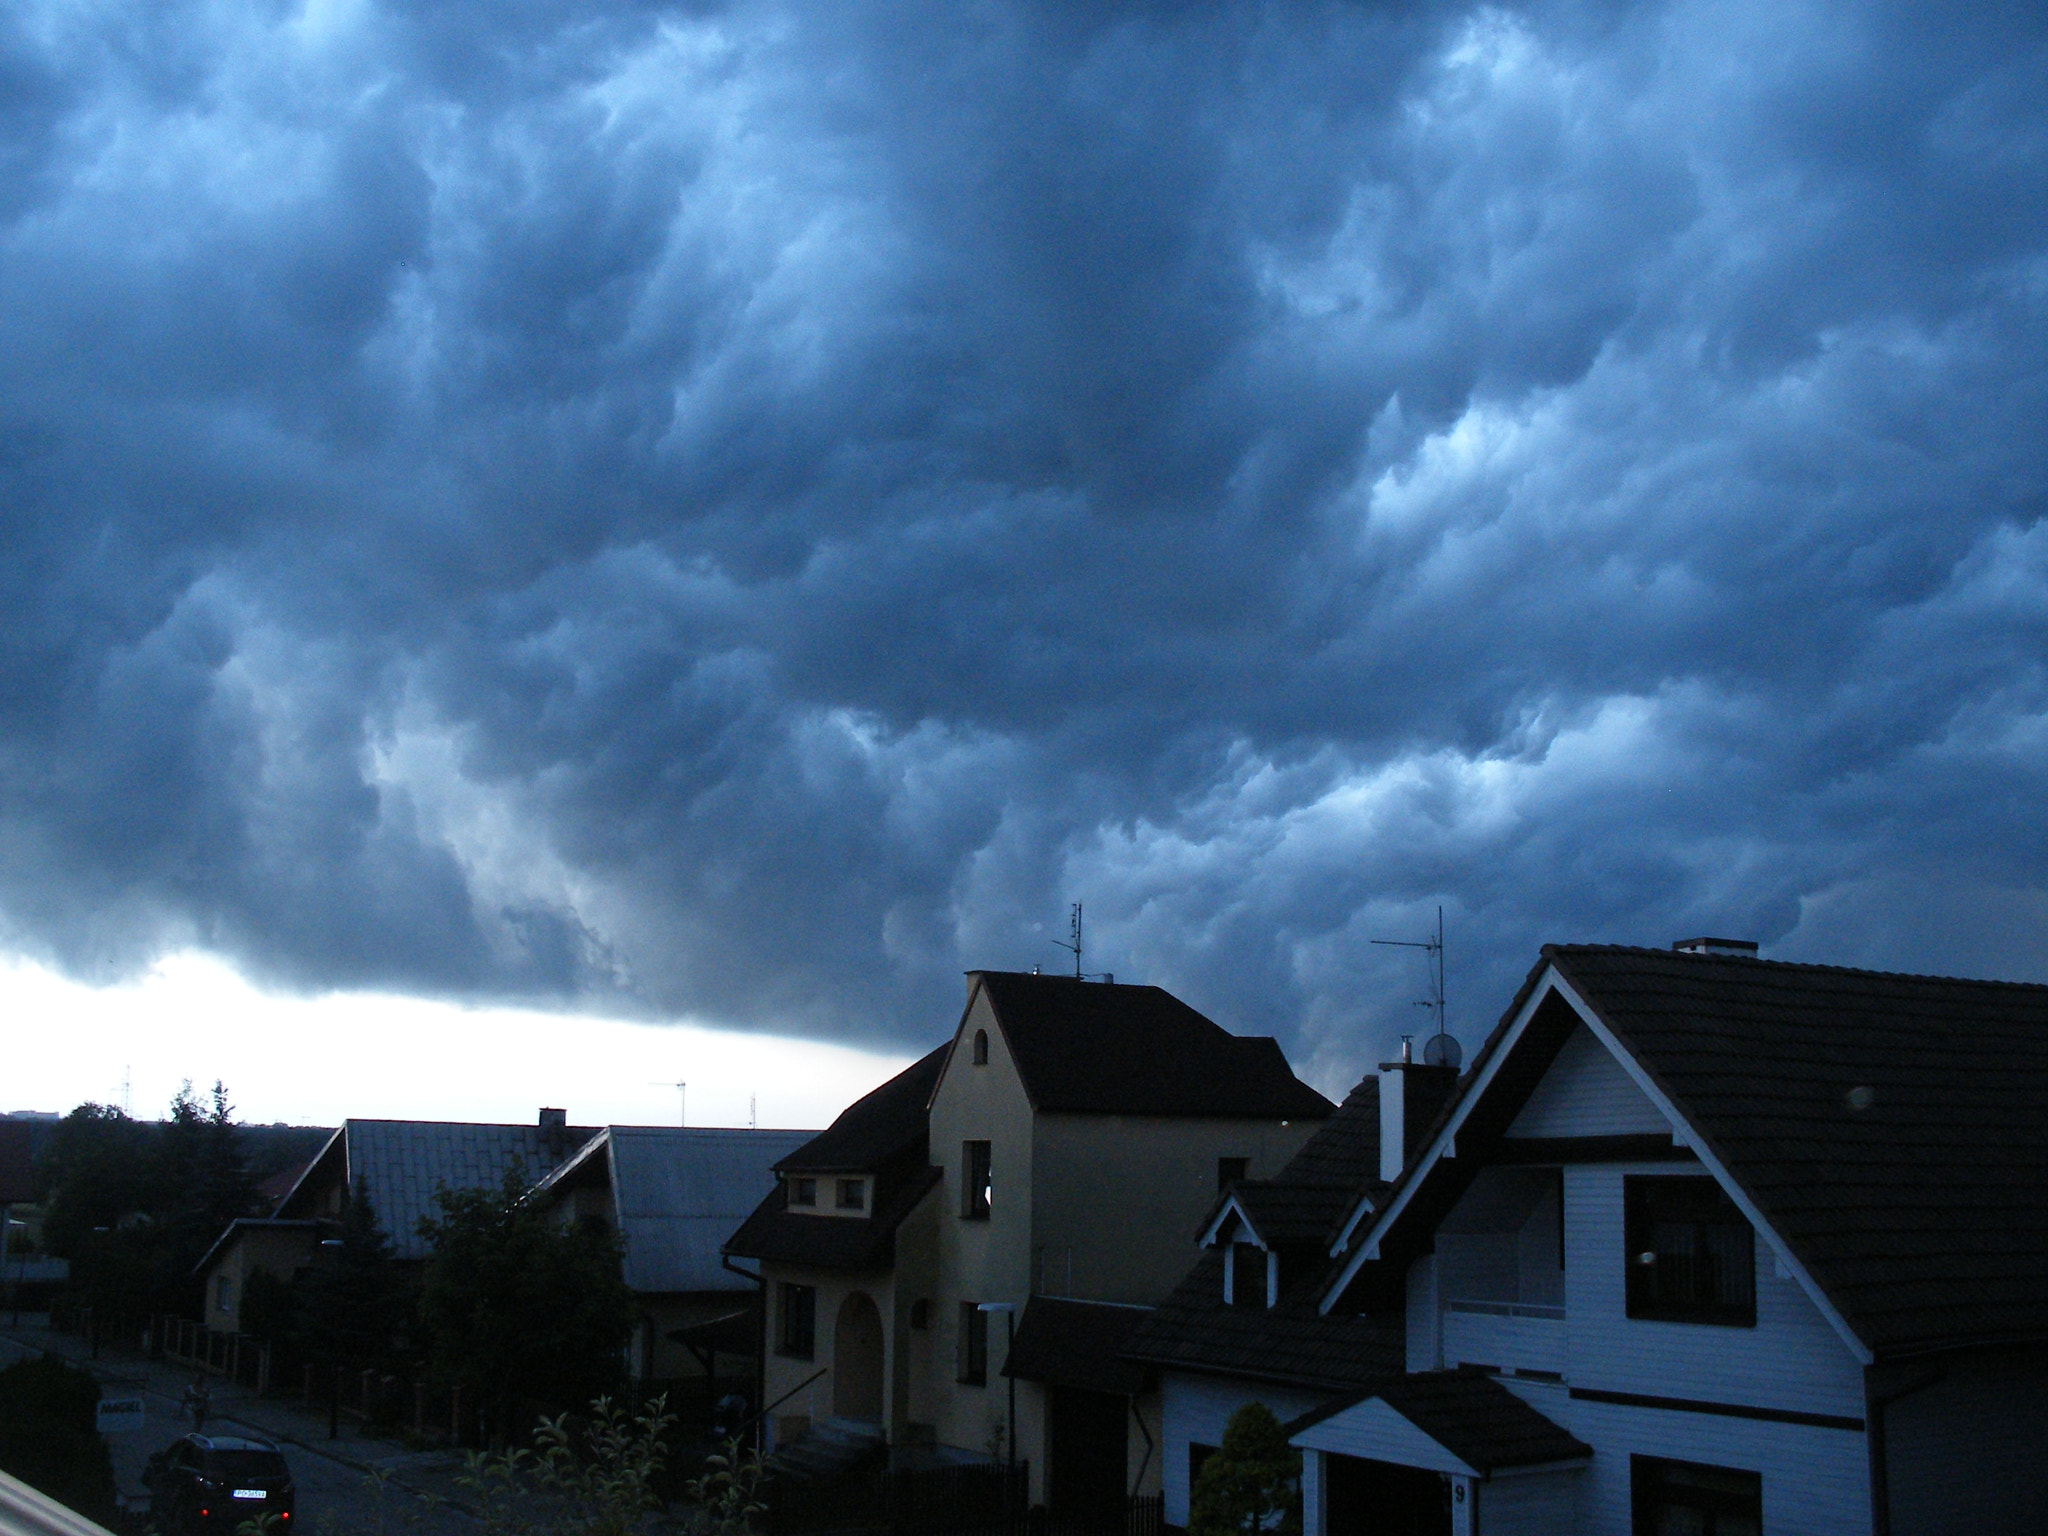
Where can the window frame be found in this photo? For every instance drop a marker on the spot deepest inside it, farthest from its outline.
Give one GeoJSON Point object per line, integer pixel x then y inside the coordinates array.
{"type": "Point", "coordinates": [973, 1362]}
{"type": "Point", "coordinates": [980, 1048]}
{"type": "Point", "coordinates": [1651, 1488]}
{"type": "Point", "coordinates": [851, 1195]}
{"type": "Point", "coordinates": [796, 1320]}
{"type": "Point", "coordinates": [803, 1191]}
{"type": "Point", "coordinates": [1664, 1292]}
{"type": "Point", "coordinates": [977, 1180]}
{"type": "Point", "coordinates": [1243, 1267]}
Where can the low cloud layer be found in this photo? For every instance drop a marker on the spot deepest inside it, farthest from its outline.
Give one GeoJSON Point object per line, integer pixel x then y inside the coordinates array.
{"type": "Point", "coordinates": [745, 512]}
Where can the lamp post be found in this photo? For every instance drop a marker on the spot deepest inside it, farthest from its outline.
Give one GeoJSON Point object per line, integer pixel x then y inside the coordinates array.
{"type": "Point", "coordinates": [1009, 1311]}
{"type": "Point", "coordinates": [332, 1246]}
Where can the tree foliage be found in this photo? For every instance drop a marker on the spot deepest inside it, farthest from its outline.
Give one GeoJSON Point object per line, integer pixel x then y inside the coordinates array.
{"type": "Point", "coordinates": [47, 1438]}
{"type": "Point", "coordinates": [349, 1305]}
{"type": "Point", "coordinates": [1251, 1485]}
{"type": "Point", "coordinates": [519, 1307]}
{"type": "Point", "coordinates": [596, 1478]}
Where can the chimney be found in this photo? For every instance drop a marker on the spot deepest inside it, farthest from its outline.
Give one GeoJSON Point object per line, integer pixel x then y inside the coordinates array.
{"type": "Point", "coordinates": [1716, 947]}
{"type": "Point", "coordinates": [554, 1119]}
{"type": "Point", "coordinates": [1411, 1094]}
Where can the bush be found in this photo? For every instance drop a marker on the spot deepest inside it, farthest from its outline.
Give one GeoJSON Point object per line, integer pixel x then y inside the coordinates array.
{"type": "Point", "coordinates": [1251, 1486]}
{"type": "Point", "coordinates": [47, 1438]}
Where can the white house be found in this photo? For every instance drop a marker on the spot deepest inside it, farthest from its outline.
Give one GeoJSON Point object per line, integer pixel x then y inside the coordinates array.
{"type": "Point", "coordinates": [1712, 1244]}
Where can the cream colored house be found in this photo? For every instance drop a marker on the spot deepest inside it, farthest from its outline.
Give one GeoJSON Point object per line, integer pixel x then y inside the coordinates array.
{"type": "Point", "coordinates": [1043, 1172]}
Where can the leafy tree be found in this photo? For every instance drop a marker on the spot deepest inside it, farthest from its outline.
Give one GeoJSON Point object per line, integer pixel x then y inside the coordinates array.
{"type": "Point", "coordinates": [1251, 1485]}
{"type": "Point", "coordinates": [519, 1307]}
{"type": "Point", "coordinates": [594, 1479]}
{"type": "Point", "coordinates": [101, 1169]}
{"type": "Point", "coordinates": [47, 1437]}
{"type": "Point", "coordinates": [350, 1304]}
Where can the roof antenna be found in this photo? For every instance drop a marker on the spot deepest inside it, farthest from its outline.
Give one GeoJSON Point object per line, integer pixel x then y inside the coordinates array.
{"type": "Point", "coordinates": [1440, 1049]}
{"type": "Point", "coordinates": [1073, 947]}
{"type": "Point", "coordinates": [682, 1101]}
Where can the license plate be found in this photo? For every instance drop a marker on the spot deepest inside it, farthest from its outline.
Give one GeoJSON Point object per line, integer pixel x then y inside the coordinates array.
{"type": "Point", "coordinates": [248, 1493]}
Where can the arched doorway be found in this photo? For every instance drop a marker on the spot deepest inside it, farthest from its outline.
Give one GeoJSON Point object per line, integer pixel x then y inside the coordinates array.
{"type": "Point", "coordinates": [857, 1360]}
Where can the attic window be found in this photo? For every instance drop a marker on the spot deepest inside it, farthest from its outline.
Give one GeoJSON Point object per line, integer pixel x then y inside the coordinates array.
{"type": "Point", "coordinates": [803, 1191]}
{"type": "Point", "coordinates": [981, 1047]}
{"type": "Point", "coordinates": [853, 1194]}
{"type": "Point", "coordinates": [1691, 1253]}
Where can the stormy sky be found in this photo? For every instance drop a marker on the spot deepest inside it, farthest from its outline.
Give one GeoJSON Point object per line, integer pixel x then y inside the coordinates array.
{"type": "Point", "coordinates": [740, 513]}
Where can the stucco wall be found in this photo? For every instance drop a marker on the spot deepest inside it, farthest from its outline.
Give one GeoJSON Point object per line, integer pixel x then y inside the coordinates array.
{"type": "Point", "coordinates": [979, 1261]}
{"type": "Point", "coordinates": [1117, 1201]}
{"type": "Point", "coordinates": [784, 1373]}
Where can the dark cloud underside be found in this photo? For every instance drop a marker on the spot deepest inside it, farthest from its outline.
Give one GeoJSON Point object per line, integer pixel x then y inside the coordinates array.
{"type": "Point", "coordinates": [747, 511]}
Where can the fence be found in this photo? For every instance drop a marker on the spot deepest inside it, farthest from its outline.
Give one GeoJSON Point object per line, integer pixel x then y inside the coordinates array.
{"type": "Point", "coordinates": [944, 1501]}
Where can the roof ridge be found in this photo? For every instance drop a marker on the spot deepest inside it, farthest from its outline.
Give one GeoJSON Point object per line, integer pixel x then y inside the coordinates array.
{"type": "Point", "coordinates": [1789, 965]}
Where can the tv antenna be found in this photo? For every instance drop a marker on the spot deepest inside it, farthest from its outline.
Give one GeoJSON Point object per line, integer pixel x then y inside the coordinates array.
{"type": "Point", "coordinates": [127, 1094]}
{"type": "Point", "coordinates": [1072, 945]}
{"type": "Point", "coordinates": [753, 1111]}
{"type": "Point", "coordinates": [1440, 1050]}
{"type": "Point", "coordinates": [682, 1100]}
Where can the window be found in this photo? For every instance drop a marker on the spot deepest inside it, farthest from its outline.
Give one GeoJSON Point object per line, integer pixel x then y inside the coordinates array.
{"type": "Point", "coordinates": [223, 1293]}
{"type": "Point", "coordinates": [981, 1047]}
{"type": "Point", "coordinates": [1691, 1255]}
{"type": "Point", "coordinates": [803, 1191]}
{"type": "Point", "coordinates": [797, 1334]}
{"type": "Point", "coordinates": [1247, 1276]}
{"type": "Point", "coordinates": [1679, 1498]}
{"type": "Point", "coordinates": [973, 1344]}
{"type": "Point", "coordinates": [853, 1194]}
{"type": "Point", "coordinates": [1231, 1170]}
{"type": "Point", "coordinates": [977, 1185]}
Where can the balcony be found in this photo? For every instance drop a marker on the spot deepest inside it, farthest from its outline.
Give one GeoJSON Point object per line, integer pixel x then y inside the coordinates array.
{"type": "Point", "coordinates": [1507, 1335]}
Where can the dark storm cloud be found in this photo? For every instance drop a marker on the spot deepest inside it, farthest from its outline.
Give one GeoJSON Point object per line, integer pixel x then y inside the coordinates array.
{"type": "Point", "coordinates": [748, 511]}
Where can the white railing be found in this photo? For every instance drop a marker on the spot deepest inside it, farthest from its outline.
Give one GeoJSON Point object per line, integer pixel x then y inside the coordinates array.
{"type": "Point", "coordinates": [1509, 1335]}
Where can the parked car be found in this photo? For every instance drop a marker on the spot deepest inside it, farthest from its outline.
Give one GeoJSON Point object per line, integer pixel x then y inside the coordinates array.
{"type": "Point", "coordinates": [205, 1483]}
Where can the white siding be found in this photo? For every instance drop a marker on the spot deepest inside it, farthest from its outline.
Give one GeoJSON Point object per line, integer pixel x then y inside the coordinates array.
{"type": "Point", "coordinates": [1815, 1481]}
{"type": "Point", "coordinates": [1587, 1093]}
{"type": "Point", "coordinates": [1792, 1358]}
{"type": "Point", "coordinates": [1530, 1504]}
{"type": "Point", "coordinates": [1194, 1410]}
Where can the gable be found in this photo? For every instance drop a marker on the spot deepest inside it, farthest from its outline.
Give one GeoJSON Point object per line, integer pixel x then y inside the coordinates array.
{"type": "Point", "coordinates": [1374, 1431]}
{"type": "Point", "coordinates": [1586, 1092]}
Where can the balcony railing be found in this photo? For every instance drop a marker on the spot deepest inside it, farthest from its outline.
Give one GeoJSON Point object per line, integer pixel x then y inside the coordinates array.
{"type": "Point", "coordinates": [1508, 1335]}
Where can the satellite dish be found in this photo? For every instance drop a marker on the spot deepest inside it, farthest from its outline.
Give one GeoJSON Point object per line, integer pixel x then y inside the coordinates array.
{"type": "Point", "coordinates": [1442, 1051]}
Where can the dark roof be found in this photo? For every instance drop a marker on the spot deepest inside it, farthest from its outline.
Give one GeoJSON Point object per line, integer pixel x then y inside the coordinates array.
{"type": "Point", "coordinates": [877, 1127]}
{"type": "Point", "coordinates": [1089, 1047]}
{"type": "Point", "coordinates": [1292, 1215]}
{"type": "Point", "coordinates": [1291, 1343]}
{"type": "Point", "coordinates": [1075, 1344]}
{"type": "Point", "coordinates": [1892, 1129]}
{"type": "Point", "coordinates": [1469, 1414]}
{"type": "Point", "coordinates": [777, 1235]}
{"type": "Point", "coordinates": [404, 1163]}
{"type": "Point", "coordinates": [17, 1163]}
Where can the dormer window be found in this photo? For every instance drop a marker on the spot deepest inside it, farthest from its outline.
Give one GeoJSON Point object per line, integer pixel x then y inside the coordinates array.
{"type": "Point", "coordinates": [1245, 1280]}
{"type": "Point", "coordinates": [853, 1194]}
{"type": "Point", "coordinates": [981, 1047]}
{"type": "Point", "coordinates": [803, 1192]}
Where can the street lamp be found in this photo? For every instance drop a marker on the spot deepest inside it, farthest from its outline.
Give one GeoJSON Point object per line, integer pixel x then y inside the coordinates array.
{"type": "Point", "coordinates": [1009, 1311]}
{"type": "Point", "coordinates": [333, 1246]}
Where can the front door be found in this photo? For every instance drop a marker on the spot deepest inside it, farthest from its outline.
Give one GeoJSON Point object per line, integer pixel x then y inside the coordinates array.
{"type": "Point", "coordinates": [1377, 1498]}
{"type": "Point", "coordinates": [857, 1360]}
{"type": "Point", "coordinates": [1086, 1442]}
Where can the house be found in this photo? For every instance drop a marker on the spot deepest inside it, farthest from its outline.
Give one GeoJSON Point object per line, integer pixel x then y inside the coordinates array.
{"type": "Point", "coordinates": [673, 1195]}
{"type": "Point", "coordinates": [1708, 1243]}
{"type": "Point", "coordinates": [1030, 1192]}
{"type": "Point", "coordinates": [1244, 1325]}
{"type": "Point", "coordinates": [401, 1163]}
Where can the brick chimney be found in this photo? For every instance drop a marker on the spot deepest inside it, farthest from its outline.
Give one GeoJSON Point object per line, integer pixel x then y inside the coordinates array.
{"type": "Point", "coordinates": [1411, 1093]}
{"type": "Point", "coordinates": [554, 1119]}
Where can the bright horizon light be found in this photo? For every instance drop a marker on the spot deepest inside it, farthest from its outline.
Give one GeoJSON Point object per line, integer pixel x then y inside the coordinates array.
{"type": "Point", "coordinates": [317, 1060]}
